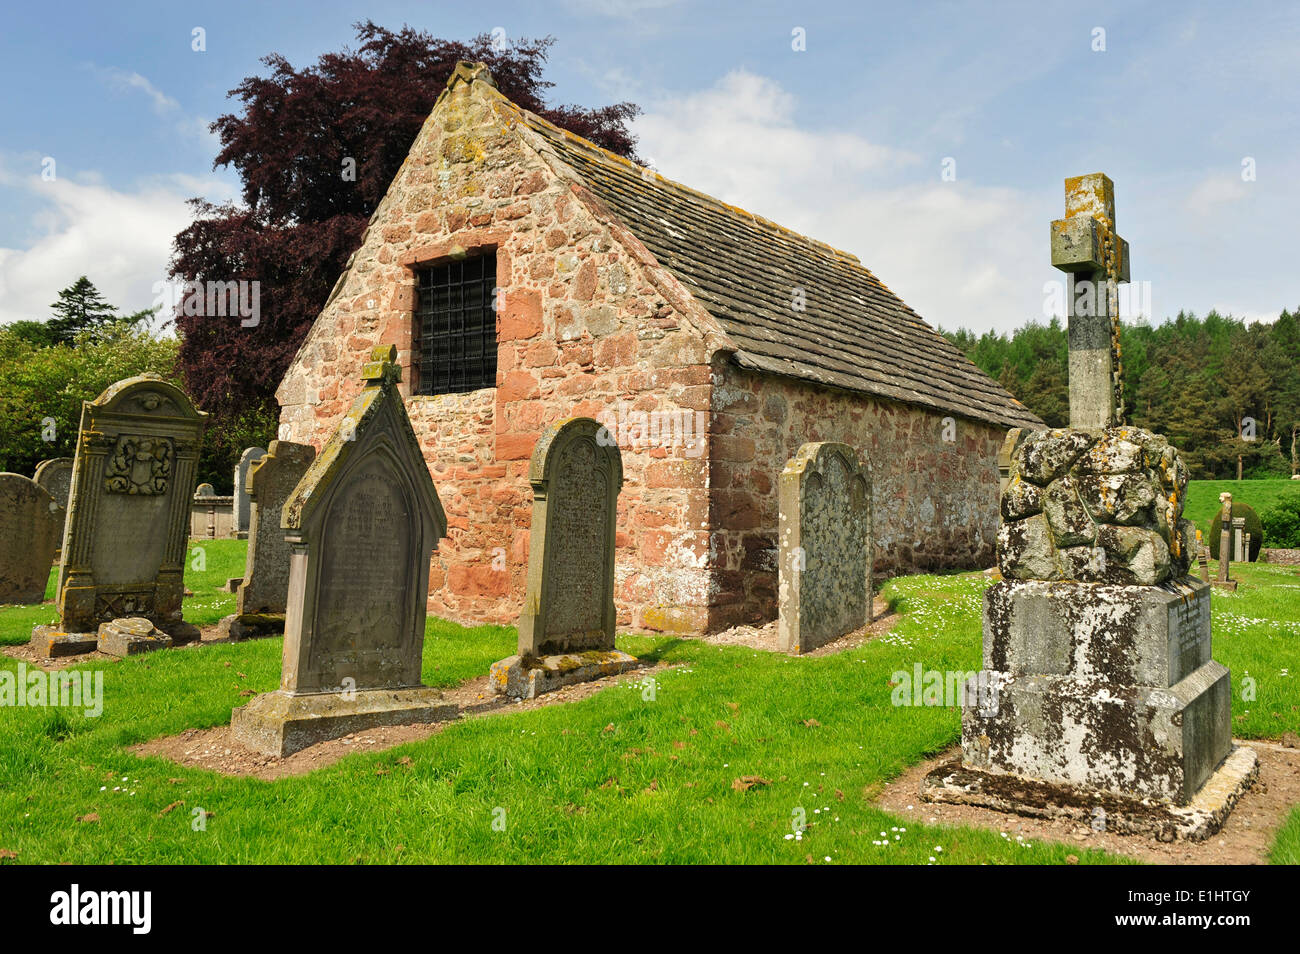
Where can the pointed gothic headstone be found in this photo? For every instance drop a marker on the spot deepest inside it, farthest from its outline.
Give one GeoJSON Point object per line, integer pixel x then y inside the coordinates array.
{"type": "Point", "coordinates": [361, 526]}
{"type": "Point", "coordinates": [566, 630]}
{"type": "Point", "coordinates": [1099, 697]}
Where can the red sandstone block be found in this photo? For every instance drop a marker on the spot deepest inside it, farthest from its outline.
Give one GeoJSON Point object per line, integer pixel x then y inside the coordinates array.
{"type": "Point", "coordinates": [584, 285]}
{"type": "Point", "coordinates": [515, 446]}
{"type": "Point", "coordinates": [516, 386]}
{"type": "Point", "coordinates": [522, 317]}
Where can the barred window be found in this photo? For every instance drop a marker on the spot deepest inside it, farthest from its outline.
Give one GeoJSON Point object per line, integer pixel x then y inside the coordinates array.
{"type": "Point", "coordinates": [456, 326]}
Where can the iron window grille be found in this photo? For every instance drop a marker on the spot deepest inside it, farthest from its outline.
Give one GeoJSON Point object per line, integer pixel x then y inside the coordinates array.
{"type": "Point", "coordinates": [457, 326]}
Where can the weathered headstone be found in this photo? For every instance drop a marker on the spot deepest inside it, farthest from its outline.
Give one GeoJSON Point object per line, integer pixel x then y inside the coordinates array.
{"type": "Point", "coordinates": [566, 630]}
{"type": "Point", "coordinates": [1099, 698]}
{"type": "Point", "coordinates": [205, 490]}
{"type": "Point", "coordinates": [242, 506]}
{"type": "Point", "coordinates": [128, 510]}
{"type": "Point", "coordinates": [30, 523]}
{"type": "Point", "coordinates": [1203, 558]}
{"type": "Point", "coordinates": [260, 601]}
{"type": "Point", "coordinates": [826, 546]}
{"type": "Point", "coordinates": [361, 525]}
{"type": "Point", "coordinates": [1240, 546]}
{"type": "Point", "coordinates": [56, 477]}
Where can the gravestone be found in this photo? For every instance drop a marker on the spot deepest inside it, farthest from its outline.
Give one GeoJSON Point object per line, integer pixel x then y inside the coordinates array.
{"type": "Point", "coordinates": [128, 510]}
{"type": "Point", "coordinates": [56, 477]}
{"type": "Point", "coordinates": [361, 525]}
{"type": "Point", "coordinates": [826, 546]}
{"type": "Point", "coordinates": [242, 505]}
{"type": "Point", "coordinates": [1240, 547]}
{"type": "Point", "coordinates": [260, 600]}
{"type": "Point", "coordinates": [566, 629]}
{"type": "Point", "coordinates": [1099, 699]}
{"type": "Point", "coordinates": [30, 523]}
{"type": "Point", "coordinates": [205, 490]}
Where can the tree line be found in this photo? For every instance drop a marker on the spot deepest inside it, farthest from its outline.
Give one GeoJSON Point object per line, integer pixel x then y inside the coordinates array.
{"type": "Point", "coordinates": [1224, 391]}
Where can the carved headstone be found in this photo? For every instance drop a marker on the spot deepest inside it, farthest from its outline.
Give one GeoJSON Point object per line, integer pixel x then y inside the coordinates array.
{"type": "Point", "coordinates": [566, 630]}
{"type": "Point", "coordinates": [242, 506]}
{"type": "Point", "coordinates": [1099, 698]}
{"type": "Point", "coordinates": [260, 600]}
{"type": "Point", "coordinates": [30, 523]}
{"type": "Point", "coordinates": [205, 490]}
{"type": "Point", "coordinates": [129, 507]}
{"type": "Point", "coordinates": [361, 526]}
{"type": "Point", "coordinates": [826, 546]}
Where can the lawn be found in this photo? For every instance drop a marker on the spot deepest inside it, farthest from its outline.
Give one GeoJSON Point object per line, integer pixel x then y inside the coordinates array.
{"type": "Point", "coordinates": [1203, 498]}
{"type": "Point", "coordinates": [626, 775]}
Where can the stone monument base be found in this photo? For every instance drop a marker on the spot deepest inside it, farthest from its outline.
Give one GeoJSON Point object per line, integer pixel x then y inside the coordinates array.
{"type": "Point", "coordinates": [130, 636]}
{"type": "Point", "coordinates": [1201, 817]}
{"type": "Point", "coordinates": [280, 723]}
{"type": "Point", "coordinates": [523, 677]}
{"type": "Point", "coordinates": [54, 642]}
{"type": "Point", "coordinates": [1224, 584]}
{"type": "Point", "coordinates": [251, 626]}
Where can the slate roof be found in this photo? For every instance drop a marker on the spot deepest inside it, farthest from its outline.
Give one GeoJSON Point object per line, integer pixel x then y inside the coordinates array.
{"type": "Point", "coordinates": [854, 333]}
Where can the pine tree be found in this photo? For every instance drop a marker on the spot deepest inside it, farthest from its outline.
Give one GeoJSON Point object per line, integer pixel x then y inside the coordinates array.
{"type": "Point", "coordinates": [80, 307]}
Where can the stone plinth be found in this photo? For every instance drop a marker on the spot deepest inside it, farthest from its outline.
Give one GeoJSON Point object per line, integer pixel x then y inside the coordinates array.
{"type": "Point", "coordinates": [131, 636]}
{"type": "Point", "coordinates": [526, 678]}
{"type": "Point", "coordinates": [280, 723]}
{"type": "Point", "coordinates": [1097, 695]}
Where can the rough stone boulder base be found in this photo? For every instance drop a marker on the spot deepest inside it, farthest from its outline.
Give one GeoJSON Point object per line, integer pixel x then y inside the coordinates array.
{"type": "Point", "coordinates": [1097, 506]}
{"type": "Point", "coordinates": [566, 631]}
{"type": "Point", "coordinates": [129, 508]}
{"type": "Point", "coordinates": [30, 523]}
{"type": "Point", "coordinates": [242, 503]}
{"type": "Point", "coordinates": [361, 525]}
{"type": "Point", "coordinates": [271, 480]}
{"type": "Point", "coordinates": [826, 546]}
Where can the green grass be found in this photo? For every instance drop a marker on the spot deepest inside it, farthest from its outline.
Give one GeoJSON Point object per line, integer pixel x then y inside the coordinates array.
{"type": "Point", "coordinates": [617, 777]}
{"type": "Point", "coordinates": [1203, 498]}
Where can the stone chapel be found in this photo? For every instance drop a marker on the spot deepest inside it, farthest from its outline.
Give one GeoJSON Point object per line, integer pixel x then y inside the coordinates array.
{"type": "Point", "coordinates": [527, 276]}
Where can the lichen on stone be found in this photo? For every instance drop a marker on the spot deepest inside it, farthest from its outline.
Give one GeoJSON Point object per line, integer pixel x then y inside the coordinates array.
{"type": "Point", "coordinates": [1097, 505]}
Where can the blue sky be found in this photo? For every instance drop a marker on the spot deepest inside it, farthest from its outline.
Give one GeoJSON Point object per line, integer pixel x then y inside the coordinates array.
{"type": "Point", "coordinates": [845, 140]}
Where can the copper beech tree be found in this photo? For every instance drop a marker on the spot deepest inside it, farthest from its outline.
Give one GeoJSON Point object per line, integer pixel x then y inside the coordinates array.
{"type": "Point", "coordinates": [316, 148]}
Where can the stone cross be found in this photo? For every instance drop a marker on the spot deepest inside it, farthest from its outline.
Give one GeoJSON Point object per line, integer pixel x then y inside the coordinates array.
{"type": "Point", "coordinates": [1085, 245]}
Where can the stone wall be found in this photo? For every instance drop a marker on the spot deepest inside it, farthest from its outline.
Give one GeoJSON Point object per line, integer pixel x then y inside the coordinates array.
{"type": "Point", "coordinates": [935, 501]}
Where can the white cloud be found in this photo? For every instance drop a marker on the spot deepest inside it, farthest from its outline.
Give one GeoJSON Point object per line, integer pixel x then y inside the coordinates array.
{"type": "Point", "coordinates": [190, 127]}
{"type": "Point", "coordinates": [121, 239]}
{"type": "Point", "coordinates": [127, 80]}
{"type": "Point", "coordinates": [960, 254]}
